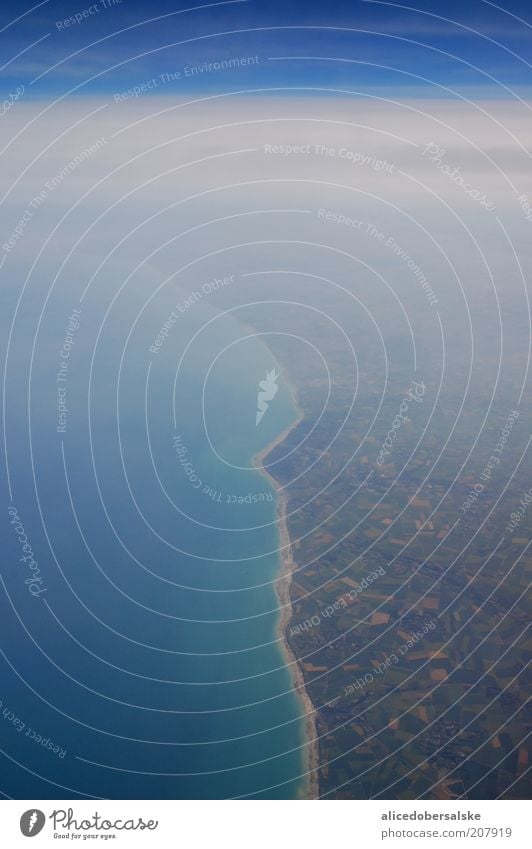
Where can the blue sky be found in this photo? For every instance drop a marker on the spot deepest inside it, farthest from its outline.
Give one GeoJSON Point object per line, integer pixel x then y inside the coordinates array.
{"type": "Point", "coordinates": [478, 47]}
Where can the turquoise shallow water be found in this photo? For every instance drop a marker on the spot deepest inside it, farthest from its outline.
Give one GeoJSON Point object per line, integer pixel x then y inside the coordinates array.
{"type": "Point", "coordinates": [152, 656]}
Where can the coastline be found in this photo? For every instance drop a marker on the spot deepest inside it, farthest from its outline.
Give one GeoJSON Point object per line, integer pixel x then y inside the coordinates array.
{"type": "Point", "coordinates": [282, 589]}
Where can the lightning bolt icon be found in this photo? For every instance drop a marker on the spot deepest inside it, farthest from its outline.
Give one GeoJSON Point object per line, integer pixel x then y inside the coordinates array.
{"type": "Point", "coordinates": [33, 820]}
{"type": "Point", "coordinates": [267, 391]}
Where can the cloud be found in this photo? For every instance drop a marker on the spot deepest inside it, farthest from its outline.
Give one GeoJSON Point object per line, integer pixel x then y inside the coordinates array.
{"type": "Point", "coordinates": [165, 169]}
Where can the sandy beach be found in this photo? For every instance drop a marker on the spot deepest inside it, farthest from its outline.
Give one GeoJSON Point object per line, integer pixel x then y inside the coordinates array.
{"type": "Point", "coordinates": [282, 587]}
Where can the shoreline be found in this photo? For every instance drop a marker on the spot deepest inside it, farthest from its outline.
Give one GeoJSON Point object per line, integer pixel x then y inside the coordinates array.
{"type": "Point", "coordinates": [282, 588]}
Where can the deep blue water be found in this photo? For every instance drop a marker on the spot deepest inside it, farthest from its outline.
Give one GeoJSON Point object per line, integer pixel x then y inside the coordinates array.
{"type": "Point", "coordinates": [153, 649]}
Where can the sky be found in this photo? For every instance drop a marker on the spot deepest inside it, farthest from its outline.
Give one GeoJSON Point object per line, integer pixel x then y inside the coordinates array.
{"type": "Point", "coordinates": [430, 49]}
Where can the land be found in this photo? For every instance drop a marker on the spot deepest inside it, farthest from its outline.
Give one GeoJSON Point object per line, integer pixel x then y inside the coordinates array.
{"type": "Point", "coordinates": [406, 610]}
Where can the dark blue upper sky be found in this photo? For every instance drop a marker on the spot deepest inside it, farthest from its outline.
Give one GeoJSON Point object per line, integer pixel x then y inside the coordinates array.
{"type": "Point", "coordinates": [427, 49]}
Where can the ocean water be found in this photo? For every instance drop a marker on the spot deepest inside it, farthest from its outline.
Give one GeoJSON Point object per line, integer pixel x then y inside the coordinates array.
{"type": "Point", "coordinates": [150, 658]}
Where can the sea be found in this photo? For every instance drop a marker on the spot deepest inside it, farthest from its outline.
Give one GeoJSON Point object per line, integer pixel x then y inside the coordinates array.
{"type": "Point", "coordinates": [140, 654]}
